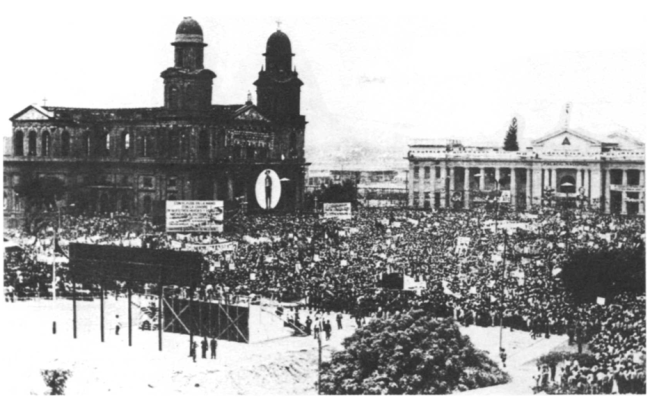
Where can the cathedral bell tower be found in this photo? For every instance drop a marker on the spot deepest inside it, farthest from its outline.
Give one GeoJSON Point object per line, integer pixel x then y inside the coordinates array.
{"type": "Point", "coordinates": [188, 86]}
{"type": "Point", "coordinates": [278, 87]}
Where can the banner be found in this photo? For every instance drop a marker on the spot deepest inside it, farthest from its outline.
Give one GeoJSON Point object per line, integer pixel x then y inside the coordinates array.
{"type": "Point", "coordinates": [627, 188]}
{"type": "Point", "coordinates": [411, 285]}
{"type": "Point", "coordinates": [600, 301]}
{"type": "Point", "coordinates": [214, 248]}
{"type": "Point", "coordinates": [462, 245]}
{"type": "Point", "coordinates": [194, 216]}
{"type": "Point", "coordinates": [337, 210]}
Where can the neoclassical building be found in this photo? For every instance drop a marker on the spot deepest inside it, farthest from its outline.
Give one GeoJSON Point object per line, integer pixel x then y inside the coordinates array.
{"type": "Point", "coordinates": [605, 175]}
{"type": "Point", "coordinates": [189, 149]}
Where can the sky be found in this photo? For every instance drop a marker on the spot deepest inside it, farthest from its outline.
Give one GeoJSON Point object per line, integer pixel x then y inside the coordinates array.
{"type": "Point", "coordinates": [376, 78]}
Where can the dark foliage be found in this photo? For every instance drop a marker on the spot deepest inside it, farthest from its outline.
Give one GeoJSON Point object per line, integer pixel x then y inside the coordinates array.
{"type": "Point", "coordinates": [588, 274]}
{"type": "Point", "coordinates": [411, 353]}
{"type": "Point", "coordinates": [510, 142]}
{"type": "Point", "coordinates": [39, 196]}
{"type": "Point", "coordinates": [55, 379]}
{"type": "Point", "coordinates": [343, 193]}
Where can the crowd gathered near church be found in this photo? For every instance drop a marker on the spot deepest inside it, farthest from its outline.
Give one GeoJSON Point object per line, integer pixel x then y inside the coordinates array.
{"type": "Point", "coordinates": [505, 271]}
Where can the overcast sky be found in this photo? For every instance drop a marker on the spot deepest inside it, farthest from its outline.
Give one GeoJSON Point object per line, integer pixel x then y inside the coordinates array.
{"type": "Point", "coordinates": [375, 78]}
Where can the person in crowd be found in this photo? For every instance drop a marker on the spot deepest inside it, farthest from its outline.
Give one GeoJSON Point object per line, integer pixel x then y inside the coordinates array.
{"type": "Point", "coordinates": [204, 347]}
{"type": "Point", "coordinates": [327, 327]}
{"type": "Point", "coordinates": [335, 266]}
{"type": "Point", "coordinates": [503, 356]}
{"type": "Point", "coordinates": [193, 347]}
{"type": "Point", "coordinates": [213, 348]}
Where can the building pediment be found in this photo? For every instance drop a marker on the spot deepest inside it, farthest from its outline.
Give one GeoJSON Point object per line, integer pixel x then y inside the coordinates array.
{"type": "Point", "coordinates": [566, 139]}
{"type": "Point", "coordinates": [249, 113]}
{"type": "Point", "coordinates": [32, 113]}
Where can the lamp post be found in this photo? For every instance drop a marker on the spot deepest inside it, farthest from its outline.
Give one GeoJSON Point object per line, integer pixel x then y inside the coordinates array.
{"type": "Point", "coordinates": [566, 186]}
{"type": "Point", "coordinates": [503, 288]}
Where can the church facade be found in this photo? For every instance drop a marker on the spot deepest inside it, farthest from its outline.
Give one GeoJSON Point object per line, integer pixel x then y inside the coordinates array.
{"type": "Point", "coordinates": [564, 166]}
{"type": "Point", "coordinates": [132, 160]}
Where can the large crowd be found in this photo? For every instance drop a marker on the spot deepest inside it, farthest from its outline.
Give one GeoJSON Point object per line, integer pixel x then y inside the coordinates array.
{"type": "Point", "coordinates": [506, 272]}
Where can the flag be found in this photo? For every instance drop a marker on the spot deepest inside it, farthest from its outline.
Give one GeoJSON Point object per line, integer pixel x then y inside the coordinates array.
{"type": "Point", "coordinates": [472, 290]}
{"type": "Point", "coordinates": [253, 276]}
{"type": "Point", "coordinates": [492, 299]}
{"type": "Point", "coordinates": [600, 301]}
{"type": "Point", "coordinates": [556, 271]}
{"type": "Point", "coordinates": [344, 262]}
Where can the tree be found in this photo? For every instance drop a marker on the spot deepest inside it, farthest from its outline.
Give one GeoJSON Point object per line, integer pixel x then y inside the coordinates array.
{"type": "Point", "coordinates": [39, 197]}
{"type": "Point", "coordinates": [411, 353]}
{"type": "Point", "coordinates": [510, 143]}
{"type": "Point", "coordinates": [343, 193]}
{"type": "Point", "coordinates": [605, 273]}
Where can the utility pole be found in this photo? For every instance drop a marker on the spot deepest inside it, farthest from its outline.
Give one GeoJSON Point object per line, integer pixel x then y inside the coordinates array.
{"type": "Point", "coordinates": [56, 237]}
{"type": "Point", "coordinates": [320, 356]}
{"type": "Point", "coordinates": [503, 289]}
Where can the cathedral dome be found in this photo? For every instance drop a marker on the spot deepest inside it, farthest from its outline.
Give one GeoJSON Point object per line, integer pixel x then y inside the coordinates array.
{"type": "Point", "coordinates": [278, 44]}
{"type": "Point", "coordinates": [189, 31]}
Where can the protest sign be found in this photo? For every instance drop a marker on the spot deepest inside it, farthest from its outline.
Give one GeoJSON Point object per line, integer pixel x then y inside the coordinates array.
{"type": "Point", "coordinates": [194, 216]}
{"type": "Point", "coordinates": [337, 210]}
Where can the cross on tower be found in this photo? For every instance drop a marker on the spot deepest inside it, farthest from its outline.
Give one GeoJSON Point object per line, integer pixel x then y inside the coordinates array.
{"type": "Point", "coordinates": [44, 101]}
{"type": "Point", "coordinates": [279, 23]}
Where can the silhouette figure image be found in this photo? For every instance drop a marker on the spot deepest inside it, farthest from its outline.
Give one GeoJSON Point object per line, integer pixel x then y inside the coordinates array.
{"type": "Point", "coordinates": [268, 185]}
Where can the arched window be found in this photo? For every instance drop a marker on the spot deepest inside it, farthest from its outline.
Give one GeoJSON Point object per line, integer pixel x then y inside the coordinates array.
{"type": "Point", "coordinates": [173, 144]}
{"type": "Point", "coordinates": [293, 152]}
{"type": "Point", "coordinates": [142, 149]}
{"type": "Point", "coordinates": [146, 145]}
{"type": "Point", "coordinates": [174, 98]}
{"type": "Point", "coordinates": [106, 145]}
{"type": "Point", "coordinates": [264, 153]}
{"type": "Point", "coordinates": [45, 144]}
{"type": "Point", "coordinates": [146, 205]}
{"type": "Point", "coordinates": [126, 141]}
{"type": "Point", "coordinates": [204, 144]}
{"type": "Point", "coordinates": [32, 143]}
{"type": "Point", "coordinates": [250, 152]}
{"type": "Point", "coordinates": [185, 144]}
{"type": "Point", "coordinates": [18, 143]}
{"type": "Point", "coordinates": [65, 143]}
{"type": "Point", "coordinates": [86, 144]}
{"type": "Point", "coordinates": [103, 203]}
{"type": "Point", "coordinates": [292, 141]}
{"type": "Point", "coordinates": [567, 184]}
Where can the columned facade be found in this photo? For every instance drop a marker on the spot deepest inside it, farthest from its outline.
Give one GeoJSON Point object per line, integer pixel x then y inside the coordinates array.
{"type": "Point", "coordinates": [594, 175]}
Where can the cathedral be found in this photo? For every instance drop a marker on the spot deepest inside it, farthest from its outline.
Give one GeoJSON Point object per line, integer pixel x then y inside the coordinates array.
{"type": "Point", "coordinates": [133, 160]}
